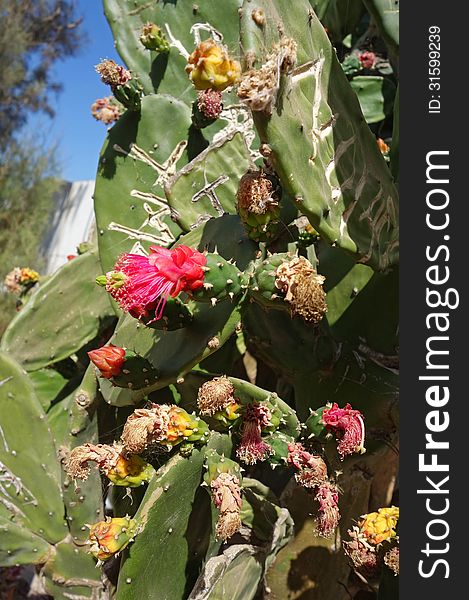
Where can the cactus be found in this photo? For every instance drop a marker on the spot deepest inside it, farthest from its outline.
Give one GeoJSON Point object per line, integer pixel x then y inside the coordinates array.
{"type": "Point", "coordinates": [210, 398]}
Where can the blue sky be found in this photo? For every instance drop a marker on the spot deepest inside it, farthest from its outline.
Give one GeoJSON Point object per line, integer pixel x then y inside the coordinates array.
{"type": "Point", "coordinates": [79, 136]}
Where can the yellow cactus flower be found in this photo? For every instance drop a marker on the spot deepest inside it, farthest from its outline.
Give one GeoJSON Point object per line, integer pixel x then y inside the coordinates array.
{"type": "Point", "coordinates": [380, 526]}
{"type": "Point", "coordinates": [111, 536]}
{"type": "Point", "coordinates": [210, 67]}
{"type": "Point", "coordinates": [28, 276]}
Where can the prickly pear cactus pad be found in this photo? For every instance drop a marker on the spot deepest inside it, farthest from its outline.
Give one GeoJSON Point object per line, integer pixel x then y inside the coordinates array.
{"type": "Point", "coordinates": [206, 404]}
{"type": "Point", "coordinates": [333, 170]}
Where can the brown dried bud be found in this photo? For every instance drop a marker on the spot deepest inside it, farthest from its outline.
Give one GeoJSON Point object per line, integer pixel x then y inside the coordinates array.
{"type": "Point", "coordinates": [302, 287]}
{"type": "Point", "coordinates": [215, 395]}
{"type": "Point", "coordinates": [226, 495]}
{"type": "Point", "coordinates": [144, 427]}
{"type": "Point", "coordinates": [113, 74]}
{"type": "Point", "coordinates": [104, 456]}
{"type": "Point", "coordinates": [256, 194]}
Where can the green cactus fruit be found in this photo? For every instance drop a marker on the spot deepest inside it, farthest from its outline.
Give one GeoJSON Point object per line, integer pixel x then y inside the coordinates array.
{"type": "Point", "coordinates": [291, 283]}
{"type": "Point", "coordinates": [222, 280]}
{"type": "Point", "coordinates": [153, 38]}
{"type": "Point", "coordinates": [315, 425]}
{"type": "Point", "coordinates": [258, 204]}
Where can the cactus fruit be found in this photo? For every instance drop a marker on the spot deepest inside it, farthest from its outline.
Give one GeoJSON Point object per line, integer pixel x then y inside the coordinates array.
{"type": "Point", "coordinates": [122, 367]}
{"type": "Point", "coordinates": [290, 283]}
{"type": "Point", "coordinates": [221, 280]}
{"type": "Point", "coordinates": [110, 537]}
{"type": "Point", "coordinates": [124, 87]}
{"type": "Point", "coordinates": [153, 38]}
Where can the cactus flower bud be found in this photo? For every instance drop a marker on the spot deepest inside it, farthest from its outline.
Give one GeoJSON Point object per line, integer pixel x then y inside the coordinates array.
{"type": "Point", "coordinates": [113, 74]}
{"type": "Point", "coordinates": [367, 59]}
{"type": "Point", "coordinates": [106, 110]}
{"type": "Point", "coordinates": [302, 286]}
{"type": "Point", "coordinates": [348, 426]}
{"type": "Point", "coordinates": [108, 359]}
{"type": "Point", "coordinates": [210, 66]}
{"type": "Point", "coordinates": [109, 537]}
{"type": "Point", "coordinates": [153, 38]}
{"type": "Point", "coordinates": [209, 103]}
{"type": "Point", "coordinates": [328, 514]}
{"type": "Point", "coordinates": [252, 448]}
{"type": "Point", "coordinates": [311, 469]}
{"type": "Point", "coordinates": [215, 395]}
{"type": "Point", "coordinates": [226, 495]}
{"type": "Point", "coordinates": [19, 280]}
{"type": "Point", "coordinates": [143, 283]}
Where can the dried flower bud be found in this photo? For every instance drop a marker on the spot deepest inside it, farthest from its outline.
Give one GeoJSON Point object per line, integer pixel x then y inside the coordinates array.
{"type": "Point", "coordinates": [302, 287]}
{"type": "Point", "coordinates": [391, 559]}
{"type": "Point", "coordinates": [328, 515]}
{"type": "Point", "coordinates": [106, 110]}
{"type": "Point", "coordinates": [311, 469]}
{"type": "Point", "coordinates": [113, 74]}
{"type": "Point", "coordinates": [145, 427]}
{"type": "Point", "coordinates": [104, 456]}
{"type": "Point", "coordinates": [367, 59]}
{"type": "Point", "coordinates": [252, 448]}
{"type": "Point", "coordinates": [209, 103]}
{"type": "Point", "coordinates": [215, 395]}
{"type": "Point", "coordinates": [226, 495]}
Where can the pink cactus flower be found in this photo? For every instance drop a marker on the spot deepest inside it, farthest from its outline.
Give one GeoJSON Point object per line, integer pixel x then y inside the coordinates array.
{"type": "Point", "coordinates": [146, 282]}
{"type": "Point", "coordinates": [348, 426]}
{"type": "Point", "coordinates": [252, 448]}
{"type": "Point", "coordinates": [367, 59]}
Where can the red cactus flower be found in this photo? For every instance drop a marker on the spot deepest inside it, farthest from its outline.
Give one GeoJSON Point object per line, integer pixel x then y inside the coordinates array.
{"type": "Point", "coordinates": [328, 515]}
{"type": "Point", "coordinates": [71, 256]}
{"type": "Point", "coordinates": [252, 447]}
{"type": "Point", "coordinates": [348, 426]}
{"type": "Point", "coordinates": [146, 282]}
{"type": "Point", "coordinates": [367, 59]}
{"type": "Point", "coordinates": [109, 360]}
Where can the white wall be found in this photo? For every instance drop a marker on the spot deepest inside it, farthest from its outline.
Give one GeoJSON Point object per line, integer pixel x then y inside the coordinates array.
{"type": "Point", "coordinates": [72, 222]}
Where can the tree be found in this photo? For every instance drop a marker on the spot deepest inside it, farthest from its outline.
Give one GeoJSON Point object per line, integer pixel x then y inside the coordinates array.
{"type": "Point", "coordinates": [34, 34]}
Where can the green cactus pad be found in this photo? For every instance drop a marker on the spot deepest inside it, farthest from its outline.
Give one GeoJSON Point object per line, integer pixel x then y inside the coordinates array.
{"type": "Point", "coordinates": [165, 73]}
{"type": "Point", "coordinates": [30, 473]}
{"type": "Point", "coordinates": [206, 187]}
{"type": "Point", "coordinates": [172, 353]}
{"type": "Point", "coordinates": [333, 170]}
{"type": "Point", "coordinates": [139, 155]}
{"type": "Point", "coordinates": [45, 332]}
{"type": "Point", "coordinates": [176, 522]}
